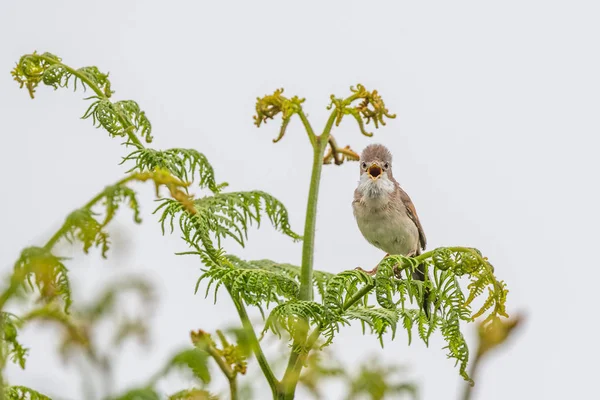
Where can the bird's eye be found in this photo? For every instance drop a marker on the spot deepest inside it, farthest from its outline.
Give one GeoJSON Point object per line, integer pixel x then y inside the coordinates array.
{"type": "Point", "coordinates": [386, 166]}
{"type": "Point", "coordinates": [364, 165]}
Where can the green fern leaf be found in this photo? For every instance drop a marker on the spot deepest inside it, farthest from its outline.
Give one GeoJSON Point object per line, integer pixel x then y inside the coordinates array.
{"type": "Point", "coordinates": [23, 393]}
{"type": "Point", "coordinates": [249, 281]}
{"type": "Point", "coordinates": [48, 272]}
{"type": "Point", "coordinates": [194, 359]}
{"type": "Point", "coordinates": [11, 346]}
{"type": "Point", "coordinates": [185, 164]}
{"type": "Point", "coordinates": [379, 319]}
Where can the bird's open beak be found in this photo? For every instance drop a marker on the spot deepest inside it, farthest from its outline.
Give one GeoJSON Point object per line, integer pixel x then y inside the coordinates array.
{"type": "Point", "coordinates": [374, 171]}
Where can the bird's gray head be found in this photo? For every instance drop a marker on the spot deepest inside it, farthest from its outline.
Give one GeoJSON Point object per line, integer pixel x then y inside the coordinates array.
{"type": "Point", "coordinates": [376, 171]}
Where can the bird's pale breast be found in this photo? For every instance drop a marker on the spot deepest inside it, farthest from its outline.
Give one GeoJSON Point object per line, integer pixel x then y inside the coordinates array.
{"type": "Point", "coordinates": [387, 227]}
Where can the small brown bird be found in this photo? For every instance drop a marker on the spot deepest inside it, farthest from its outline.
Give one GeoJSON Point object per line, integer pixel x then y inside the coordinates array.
{"type": "Point", "coordinates": [384, 212]}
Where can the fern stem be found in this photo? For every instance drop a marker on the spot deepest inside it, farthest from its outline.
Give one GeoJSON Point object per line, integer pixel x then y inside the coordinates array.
{"type": "Point", "coordinates": [226, 369]}
{"type": "Point", "coordinates": [298, 360]}
{"type": "Point", "coordinates": [307, 127]}
{"type": "Point", "coordinates": [468, 392]}
{"type": "Point", "coordinates": [308, 244]}
{"type": "Point", "coordinates": [255, 344]}
{"type": "Point", "coordinates": [292, 372]}
{"type": "Point", "coordinates": [358, 296]}
{"type": "Point", "coordinates": [96, 90]}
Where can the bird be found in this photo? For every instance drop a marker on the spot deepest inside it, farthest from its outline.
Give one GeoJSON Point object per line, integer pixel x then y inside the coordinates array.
{"type": "Point", "coordinates": [385, 214]}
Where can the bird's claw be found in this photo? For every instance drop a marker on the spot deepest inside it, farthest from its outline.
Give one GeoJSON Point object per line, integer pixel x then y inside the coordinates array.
{"type": "Point", "coordinates": [371, 272]}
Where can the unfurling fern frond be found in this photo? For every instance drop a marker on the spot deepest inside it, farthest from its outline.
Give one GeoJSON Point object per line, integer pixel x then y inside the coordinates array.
{"type": "Point", "coordinates": [467, 261]}
{"type": "Point", "coordinates": [122, 118]}
{"type": "Point", "coordinates": [256, 286]}
{"type": "Point", "coordinates": [223, 215]}
{"type": "Point", "coordinates": [116, 195]}
{"type": "Point", "coordinates": [23, 393]}
{"type": "Point", "coordinates": [186, 164]}
{"type": "Point", "coordinates": [81, 225]}
{"type": "Point", "coordinates": [12, 348]}
{"type": "Point", "coordinates": [41, 269]}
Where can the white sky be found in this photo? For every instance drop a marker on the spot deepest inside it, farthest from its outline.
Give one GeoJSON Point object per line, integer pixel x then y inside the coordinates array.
{"type": "Point", "coordinates": [496, 142]}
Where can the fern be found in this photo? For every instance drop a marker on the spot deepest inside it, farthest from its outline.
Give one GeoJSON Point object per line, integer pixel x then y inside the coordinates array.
{"type": "Point", "coordinates": [206, 221]}
{"type": "Point", "coordinates": [253, 284]}
{"type": "Point", "coordinates": [46, 272]}
{"type": "Point", "coordinates": [223, 215]}
{"type": "Point", "coordinates": [193, 394]}
{"type": "Point", "coordinates": [139, 394]}
{"type": "Point", "coordinates": [379, 319]}
{"type": "Point", "coordinates": [185, 164]}
{"type": "Point", "coordinates": [194, 359]}
{"type": "Point", "coordinates": [107, 301]}
{"type": "Point", "coordinates": [320, 278]}
{"type": "Point", "coordinates": [296, 316]}
{"type": "Point", "coordinates": [23, 393]}
{"type": "Point", "coordinates": [12, 348]}
{"type": "Point", "coordinates": [341, 287]}
{"type": "Point", "coordinates": [84, 227]}
{"type": "Point", "coordinates": [122, 118]}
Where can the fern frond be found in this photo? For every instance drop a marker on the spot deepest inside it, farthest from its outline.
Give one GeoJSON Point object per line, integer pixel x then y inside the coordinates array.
{"type": "Point", "coordinates": [456, 343]}
{"type": "Point", "coordinates": [75, 332]}
{"type": "Point", "coordinates": [122, 118]}
{"type": "Point", "coordinates": [320, 278]}
{"type": "Point", "coordinates": [341, 287]}
{"type": "Point", "coordinates": [379, 319]}
{"type": "Point", "coordinates": [107, 301]}
{"type": "Point", "coordinates": [443, 289]}
{"type": "Point", "coordinates": [186, 164]}
{"type": "Point", "coordinates": [223, 215]}
{"type": "Point", "coordinates": [296, 317]}
{"type": "Point", "coordinates": [250, 282]}
{"type": "Point", "coordinates": [116, 195]}
{"type": "Point", "coordinates": [23, 393]}
{"type": "Point", "coordinates": [12, 348]}
{"type": "Point", "coordinates": [84, 227]}
{"type": "Point", "coordinates": [139, 394]}
{"type": "Point", "coordinates": [41, 269]}
{"type": "Point", "coordinates": [193, 394]}
{"type": "Point", "coordinates": [195, 360]}
{"type": "Point", "coordinates": [467, 261]}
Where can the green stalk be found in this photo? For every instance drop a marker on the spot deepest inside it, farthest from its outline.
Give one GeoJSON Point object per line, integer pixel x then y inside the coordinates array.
{"type": "Point", "coordinates": [226, 369]}
{"type": "Point", "coordinates": [306, 272]}
{"type": "Point", "coordinates": [255, 344]}
{"type": "Point", "coordinates": [308, 244]}
{"type": "Point", "coordinates": [294, 368]}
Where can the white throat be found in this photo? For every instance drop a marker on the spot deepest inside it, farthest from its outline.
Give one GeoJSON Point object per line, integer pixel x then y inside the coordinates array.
{"type": "Point", "coordinates": [375, 189]}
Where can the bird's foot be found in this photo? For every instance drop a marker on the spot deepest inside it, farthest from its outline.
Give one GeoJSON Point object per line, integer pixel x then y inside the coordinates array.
{"type": "Point", "coordinates": [371, 272]}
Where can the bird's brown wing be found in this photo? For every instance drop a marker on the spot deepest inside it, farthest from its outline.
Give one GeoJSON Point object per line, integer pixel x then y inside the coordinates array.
{"type": "Point", "coordinates": [412, 213]}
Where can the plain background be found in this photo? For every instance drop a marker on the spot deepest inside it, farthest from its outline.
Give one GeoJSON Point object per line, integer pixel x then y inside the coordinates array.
{"type": "Point", "coordinates": [496, 141]}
